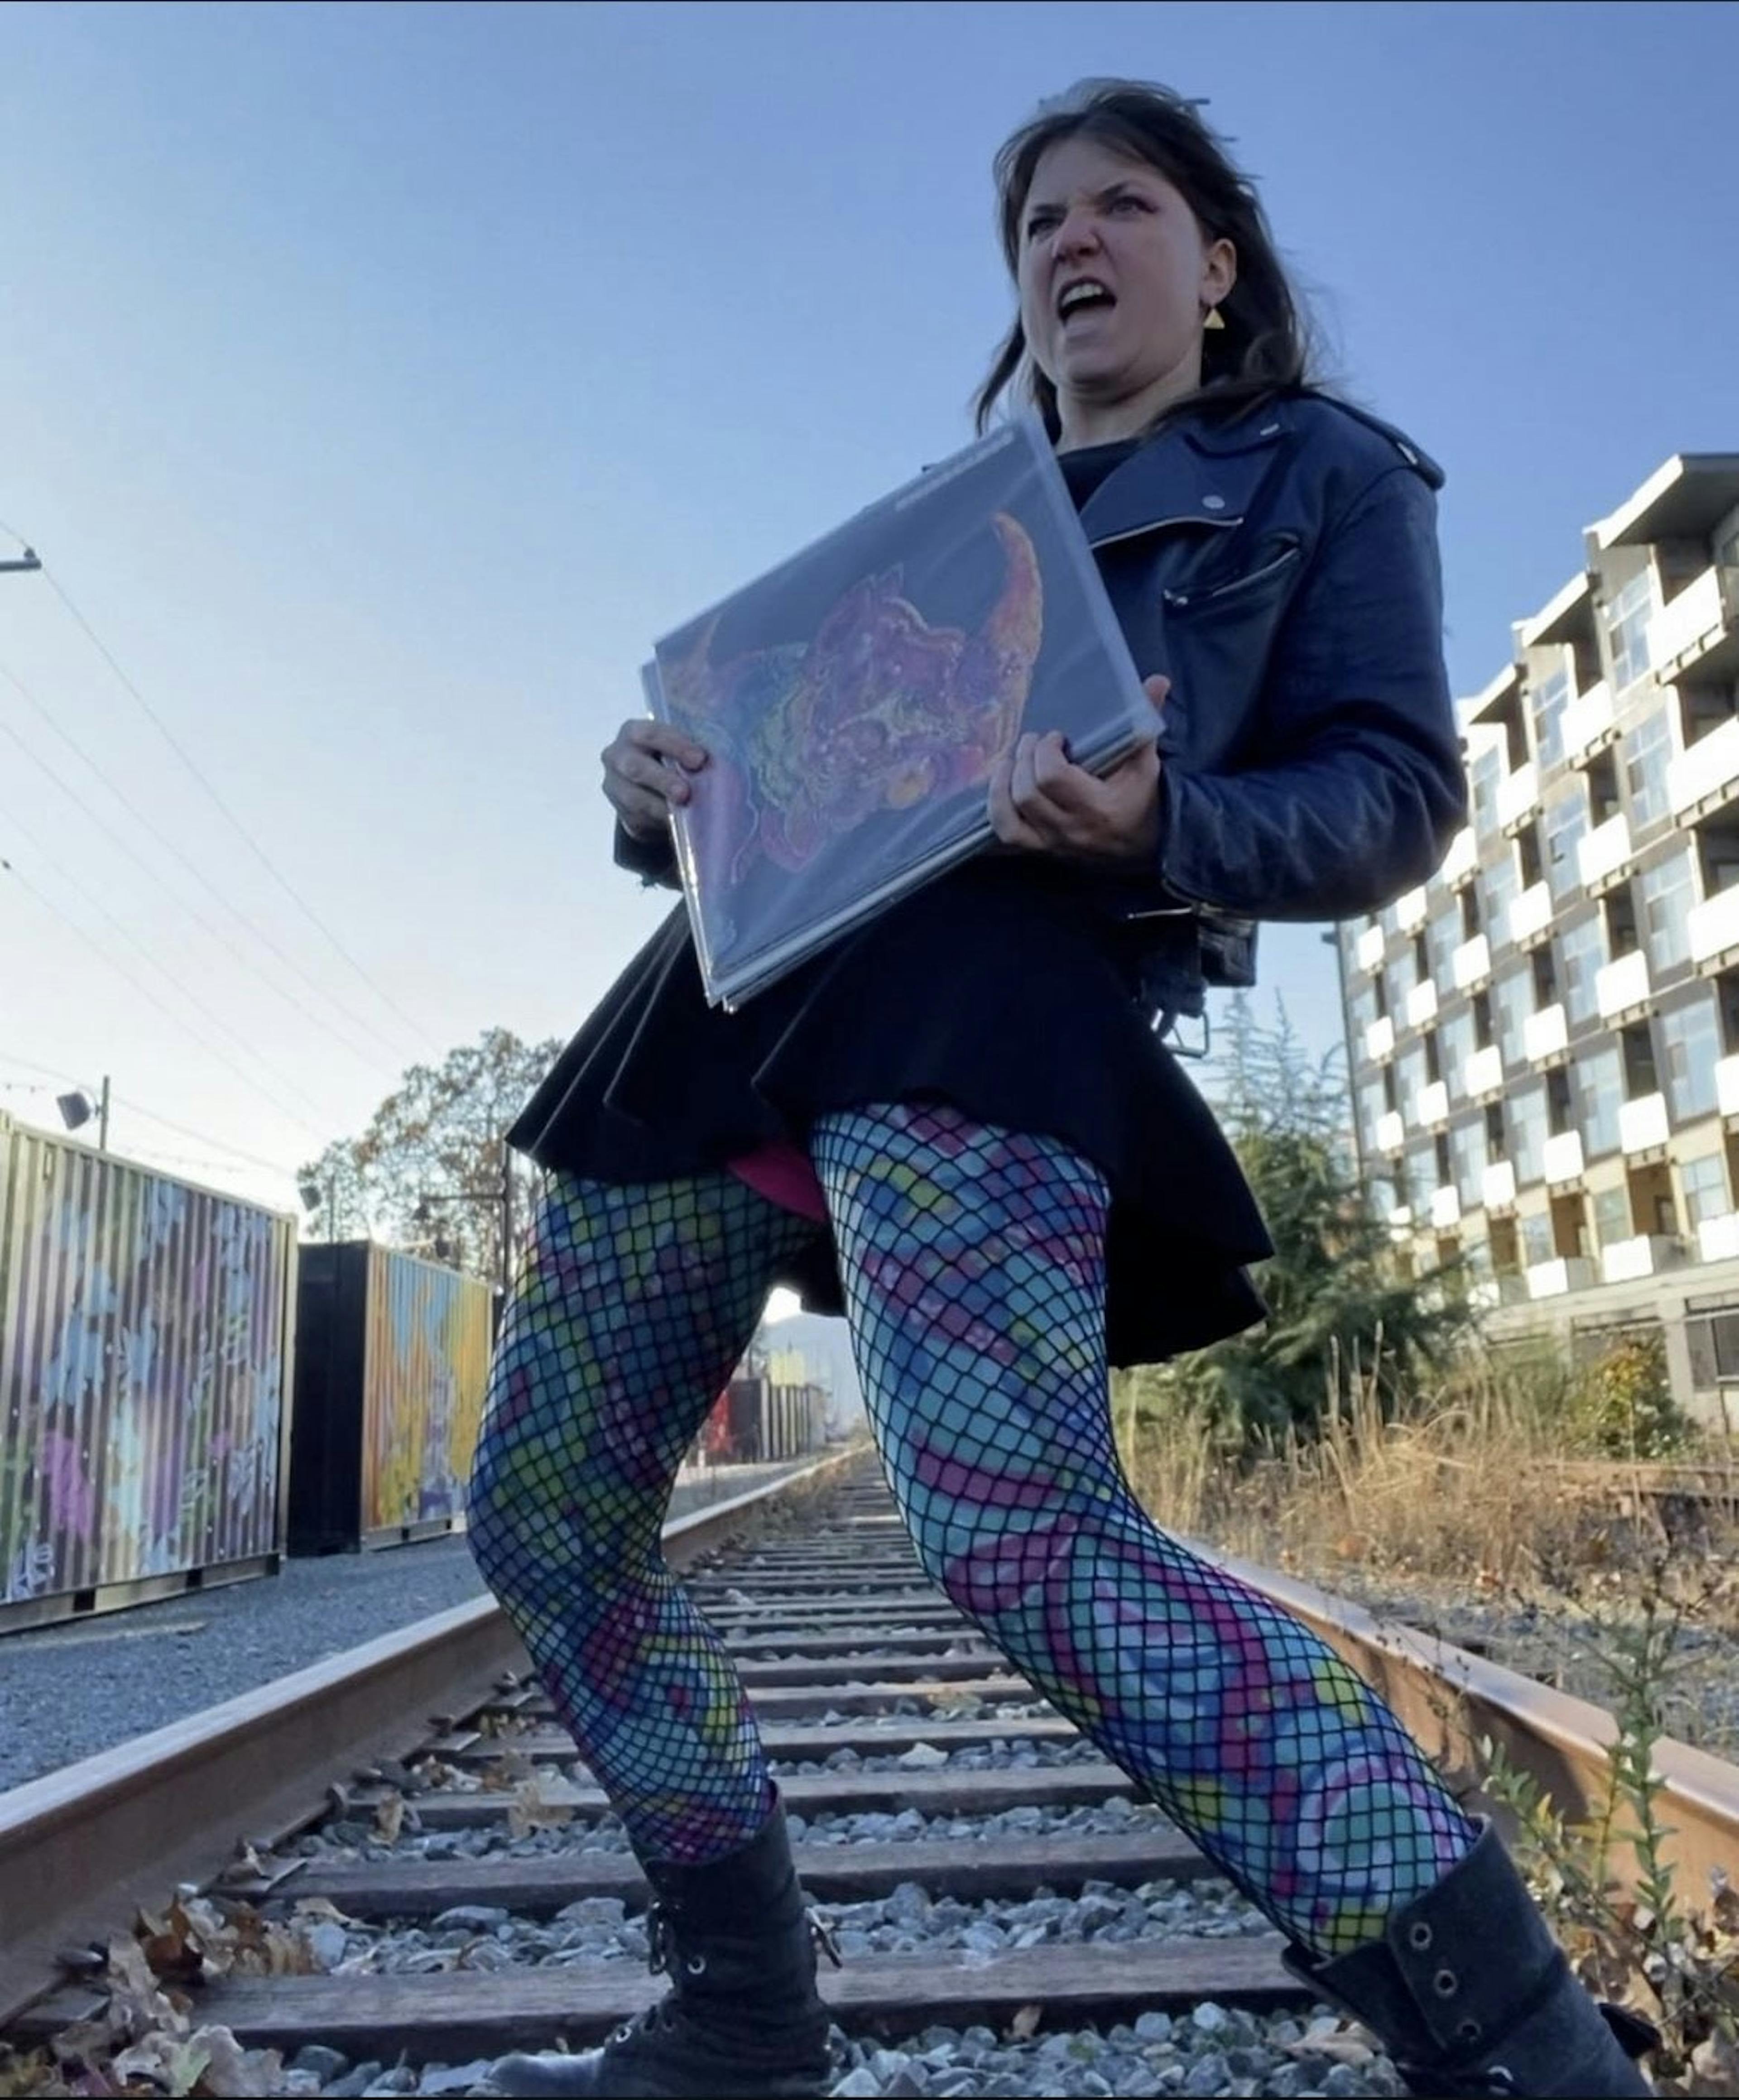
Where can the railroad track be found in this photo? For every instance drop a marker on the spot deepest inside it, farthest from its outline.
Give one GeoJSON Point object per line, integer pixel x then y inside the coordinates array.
{"type": "Point", "coordinates": [465, 1892]}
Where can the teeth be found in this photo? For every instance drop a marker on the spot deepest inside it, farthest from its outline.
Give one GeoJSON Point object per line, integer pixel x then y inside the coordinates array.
{"type": "Point", "coordinates": [1077, 293]}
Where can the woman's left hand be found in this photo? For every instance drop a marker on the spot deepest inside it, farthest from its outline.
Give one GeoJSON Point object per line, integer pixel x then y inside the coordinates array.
{"type": "Point", "coordinates": [1039, 802]}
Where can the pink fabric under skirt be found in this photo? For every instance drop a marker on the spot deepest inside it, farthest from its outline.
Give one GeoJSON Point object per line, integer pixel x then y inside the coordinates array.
{"type": "Point", "coordinates": [782, 1173]}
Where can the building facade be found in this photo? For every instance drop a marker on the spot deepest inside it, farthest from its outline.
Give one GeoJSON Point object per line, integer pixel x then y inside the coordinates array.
{"type": "Point", "coordinates": [1544, 1038]}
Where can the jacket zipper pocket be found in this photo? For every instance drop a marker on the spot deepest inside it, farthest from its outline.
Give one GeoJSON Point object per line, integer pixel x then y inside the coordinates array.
{"type": "Point", "coordinates": [1235, 586]}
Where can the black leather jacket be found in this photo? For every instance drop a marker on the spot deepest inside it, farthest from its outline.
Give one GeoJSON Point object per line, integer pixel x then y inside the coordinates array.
{"type": "Point", "coordinates": [1282, 570]}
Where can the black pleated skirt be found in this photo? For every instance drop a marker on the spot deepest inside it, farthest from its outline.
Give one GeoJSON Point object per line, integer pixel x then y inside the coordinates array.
{"type": "Point", "coordinates": [1004, 987]}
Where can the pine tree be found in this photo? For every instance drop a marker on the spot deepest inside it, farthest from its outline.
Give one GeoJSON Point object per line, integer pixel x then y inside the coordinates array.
{"type": "Point", "coordinates": [1334, 1294]}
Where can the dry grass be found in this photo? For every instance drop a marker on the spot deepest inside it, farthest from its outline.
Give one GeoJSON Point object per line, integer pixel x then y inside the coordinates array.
{"type": "Point", "coordinates": [1468, 1484]}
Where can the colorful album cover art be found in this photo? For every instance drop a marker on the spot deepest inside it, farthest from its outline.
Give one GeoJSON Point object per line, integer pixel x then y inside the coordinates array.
{"type": "Point", "coordinates": [854, 703]}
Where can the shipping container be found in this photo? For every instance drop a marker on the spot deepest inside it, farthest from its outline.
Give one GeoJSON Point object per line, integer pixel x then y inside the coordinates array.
{"type": "Point", "coordinates": [146, 1328]}
{"type": "Point", "coordinates": [391, 1361]}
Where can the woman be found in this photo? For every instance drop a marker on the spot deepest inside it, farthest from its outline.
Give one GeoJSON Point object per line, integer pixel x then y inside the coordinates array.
{"type": "Point", "coordinates": [959, 1124]}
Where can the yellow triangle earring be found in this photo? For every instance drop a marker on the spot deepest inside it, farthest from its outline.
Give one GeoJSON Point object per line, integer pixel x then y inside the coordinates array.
{"type": "Point", "coordinates": [1213, 320]}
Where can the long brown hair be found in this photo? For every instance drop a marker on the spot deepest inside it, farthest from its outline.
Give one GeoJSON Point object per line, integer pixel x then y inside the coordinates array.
{"type": "Point", "coordinates": [1264, 347]}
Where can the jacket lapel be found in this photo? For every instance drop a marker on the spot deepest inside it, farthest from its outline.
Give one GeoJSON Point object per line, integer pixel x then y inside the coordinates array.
{"type": "Point", "coordinates": [1197, 476]}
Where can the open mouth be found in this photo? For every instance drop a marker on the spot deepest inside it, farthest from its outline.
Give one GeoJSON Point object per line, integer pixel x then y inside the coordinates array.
{"type": "Point", "coordinates": [1086, 295]}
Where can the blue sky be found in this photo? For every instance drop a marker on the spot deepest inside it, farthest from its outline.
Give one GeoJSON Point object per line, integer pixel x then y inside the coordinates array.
{"type": "Point", "coordinates": [377, 381]}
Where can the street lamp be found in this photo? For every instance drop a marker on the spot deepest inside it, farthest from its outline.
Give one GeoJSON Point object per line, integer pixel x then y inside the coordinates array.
{"type": "Point", "coordinates": [502, 1195]}
{"type": "Point", "coordinates": [313, 1195]}
{"type": "Point", "coordinates": [78, 1108]}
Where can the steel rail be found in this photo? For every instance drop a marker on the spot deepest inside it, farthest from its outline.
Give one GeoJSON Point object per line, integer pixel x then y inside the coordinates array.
{"type": "Point", "coordinates": [82, 1848]}
{"type": "Point", "coordinates": [1455, 1703]}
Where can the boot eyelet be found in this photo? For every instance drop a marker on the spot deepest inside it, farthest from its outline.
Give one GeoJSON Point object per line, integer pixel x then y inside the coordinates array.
{"type": "Point", "coordinates": [1444, 1983]}
{"type": "Point", "coordinates": [1469, 2031]}
{"type": "Point", "coordinates": [696, 1965]}
{"type": "Point", "coordinates": [1418, 1937]}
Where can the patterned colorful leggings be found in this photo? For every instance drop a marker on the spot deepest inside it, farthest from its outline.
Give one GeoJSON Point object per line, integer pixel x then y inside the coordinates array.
{"type": "Point", "coordinates": [973, 1260]}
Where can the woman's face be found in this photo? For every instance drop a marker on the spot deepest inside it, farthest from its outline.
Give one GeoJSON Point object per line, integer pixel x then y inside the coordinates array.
{"type": "Point", "coordinates": [1094, 218]}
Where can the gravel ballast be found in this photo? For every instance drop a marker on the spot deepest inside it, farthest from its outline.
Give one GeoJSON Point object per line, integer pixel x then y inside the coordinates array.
{"type": "Point", "coordinates": [67, 1692]}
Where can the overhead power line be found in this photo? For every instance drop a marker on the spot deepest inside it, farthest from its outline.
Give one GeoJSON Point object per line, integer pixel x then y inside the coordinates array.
{"type": "Point", "coordinates": [180, 1020]}
{"type": "Point", "coordinates": [224, 940]}
{"type": "Point", "coordinates": [228, 815]}
{"type": "Point", "coordinates": [150, 1115]}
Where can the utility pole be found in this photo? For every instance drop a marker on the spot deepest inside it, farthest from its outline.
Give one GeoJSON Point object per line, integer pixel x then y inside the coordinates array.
{"type": "Point", "coordinates": [102, 1116]}
{"type": "Point", "coordinates": [507, 1220]}
{"type": "Point", "coordinates": [1332, 938]}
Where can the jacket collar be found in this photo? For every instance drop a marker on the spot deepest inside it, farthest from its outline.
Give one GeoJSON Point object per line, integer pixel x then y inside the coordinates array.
{"type": "Point", "coordinates": [1208, 479]}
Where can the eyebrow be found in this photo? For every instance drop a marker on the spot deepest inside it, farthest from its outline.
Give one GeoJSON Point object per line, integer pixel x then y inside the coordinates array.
{"type": "Point", "coordinates": [1112, 190]}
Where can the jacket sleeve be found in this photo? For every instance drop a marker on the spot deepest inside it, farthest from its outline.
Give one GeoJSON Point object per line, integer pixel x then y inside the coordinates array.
{"type": "Point", "coordinates": [1361, 786]}
{"type": "Point", "coordinates": [653, 860]}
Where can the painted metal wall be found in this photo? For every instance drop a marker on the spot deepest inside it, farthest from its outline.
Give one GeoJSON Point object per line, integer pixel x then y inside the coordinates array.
{"type": "Point", "coordinates": [146, 1325]}
{"type": "Point", "coordinates": [424, 1368]}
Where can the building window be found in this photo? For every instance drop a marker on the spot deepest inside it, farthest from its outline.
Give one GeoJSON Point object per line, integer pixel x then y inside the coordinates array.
{"type": "Point", "coordinates": [1648, 750]}
{"type": "Point", "coordinates": [1528, 1133]}
{"type": "Point", "coordinates": [1420, 1172]}
{"type": "Point", "coordinates": [1512, 999]}
{"type": "Point", "coordinates": [1584, 956]}
{"type": "Point", "coordinates": [1552, 696]}
{"type": "Point", "coordinates": [1456, 1046]}
{"type": "Point", "coordinates": [1612, 1216]}
{"type": "Point", "coordinates": [1467, 1144]}
{"type": "Point", "coordinates": [1692, 1038]}
{"type": "Point", "coordinates": [1445, 932]}
{"type": "Point", "coordinates": [1628, 619]}
{"type": "Point", "coordinates": [1566, 826]}
{"type": "Point", "coordinates": [1538, 1244]}
{"type": "Point", "coordinates": [1483, 776]}
{"type": "Point", "coordinates": [1668, 892]}
{"type": "Point", "coordinates": [1501, 886]}
{"type": "Point", "coordinates": [1600, 1082]}
{"type": "Point", "coordinates": [1706, 1195]}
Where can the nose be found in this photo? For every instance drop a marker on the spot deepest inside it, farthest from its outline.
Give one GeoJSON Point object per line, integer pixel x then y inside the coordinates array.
{"type": "Point", "coordinates": [1076, 235]}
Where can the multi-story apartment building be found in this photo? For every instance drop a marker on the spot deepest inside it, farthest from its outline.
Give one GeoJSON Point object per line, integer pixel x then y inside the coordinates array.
{"type": "Point", "coordinates": [1545, 1036]}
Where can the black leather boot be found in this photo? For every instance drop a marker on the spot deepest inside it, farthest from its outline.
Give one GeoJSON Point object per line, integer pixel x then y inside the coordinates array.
{"type": "Point", "coordinates": [1470, 1994]}
{"type": "Point", "coordinates": [743, 2016]}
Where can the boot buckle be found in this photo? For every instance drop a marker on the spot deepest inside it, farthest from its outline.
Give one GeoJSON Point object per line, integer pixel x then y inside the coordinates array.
{"type": "Point", "coordinates": [821, 1933]}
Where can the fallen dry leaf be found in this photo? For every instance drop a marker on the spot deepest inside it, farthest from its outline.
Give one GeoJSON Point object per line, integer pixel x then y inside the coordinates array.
{"type": "Point", "coordinates": [1025, 2024]}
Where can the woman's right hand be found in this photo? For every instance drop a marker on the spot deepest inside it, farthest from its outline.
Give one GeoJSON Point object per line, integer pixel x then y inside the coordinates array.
{"type": "Point", "coordinates": [646, 769]}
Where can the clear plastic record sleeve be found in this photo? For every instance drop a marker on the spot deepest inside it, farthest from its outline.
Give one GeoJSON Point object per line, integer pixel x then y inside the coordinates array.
{"type": "Point", "coordinates": [854, 701]}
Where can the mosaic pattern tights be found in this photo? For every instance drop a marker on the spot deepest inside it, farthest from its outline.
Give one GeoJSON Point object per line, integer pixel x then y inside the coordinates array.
{"type": "Point", "coordinates": [973, 1260]}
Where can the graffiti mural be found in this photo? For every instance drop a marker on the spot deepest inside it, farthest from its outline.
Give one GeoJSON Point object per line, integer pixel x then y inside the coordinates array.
{"type": "Point", "coordinates": [144, 1328]}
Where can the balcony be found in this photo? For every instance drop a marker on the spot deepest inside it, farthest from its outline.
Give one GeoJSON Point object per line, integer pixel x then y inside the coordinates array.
{"type": "Point", "coordinates": [1484, 1073]}
{"type": "Point", "coordinates": [1371, 943]}
{"type": "Point", "coordinates": [1727, 1086]}
{"type": "Point", "coordinates": [1431, 1104]}
{"type": "Point", "coordinates": [1699, 630]}
{"type": "Point", "coordinates": [1421, 1005]}
{"type": "Point", "coordinates": [1552, 1279]}
{"type": "Point", "coordinates": [1410, 910]}
{"type": "Point", "coordinates": [1445, 1209]}
{"type": "Point", "coordinates": [1642, 1124]}
{"type": "Point", "coordinates": [1529, 914]}
{"type": "Point", "coordinates": [1718, 1238]}
{"type": "Point", "coordinates": [1461, 861]}
{"type": "Point", "coordinates": [1518, 798]}
{"type": "Point", "coordinates": [1391, 1135]}
{"type": "Point", "coordinates": [1625, 1260]}
{"type": "Point", "coordinates": [1546, 1034]}
{"type": "Point", "coordinates": [1498, 1185]}
{"type": "Point", "coordinates": [1380, 1039]}
{"type": "Point", "coordinates": [1587, 725]}
{"type": "Point", "coordinates": [1563, 1157]}
{"type": "Point", "coordinates": [1706, 777]}
{"type": "Point", "coordinates": [1714, 927]}
{"type": "Point", "coordinates": [1471, 964]}
{"type": "Point", "coordinates": [1621, 988]}
{"type": "Point", "coordinates": [1401, 1218]}
{"type": "Point", "coordinates": [1605, 853]}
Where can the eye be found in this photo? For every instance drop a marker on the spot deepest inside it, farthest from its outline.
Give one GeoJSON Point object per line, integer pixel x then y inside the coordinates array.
{"type": "Point", "coordinates": [1128, 201]}
{"type": "Point", "coordinates": [1039, 222]}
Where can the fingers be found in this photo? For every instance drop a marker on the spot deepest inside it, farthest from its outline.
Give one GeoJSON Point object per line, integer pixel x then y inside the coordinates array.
{"type": "Point", "coordinates": [1011, 828]}
{"type": "Point", "coordinates": [645, 773]}
{"type": "Point", "coordinates": [1156, 688]}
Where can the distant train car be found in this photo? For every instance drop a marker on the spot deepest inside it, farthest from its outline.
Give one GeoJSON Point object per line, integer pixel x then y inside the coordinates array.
{"type": "Point", "coordinates": [146, 1328]}
{"type": "Point", "coordinates": [392, 1356]}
